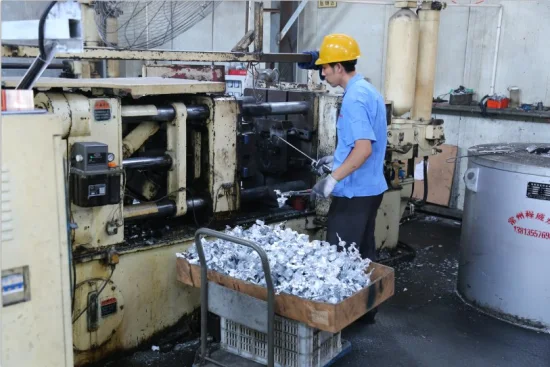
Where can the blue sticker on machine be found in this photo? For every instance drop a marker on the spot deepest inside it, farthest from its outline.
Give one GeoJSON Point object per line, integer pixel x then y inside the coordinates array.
{"type": "Point", "coordinates": [13, 283]}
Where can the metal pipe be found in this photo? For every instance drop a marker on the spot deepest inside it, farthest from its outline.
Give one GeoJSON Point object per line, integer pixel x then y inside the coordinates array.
{"type": "Point", "coordinates": [150, 210]}
{"type": "Point", "coordinates": [22, 65]}
{"type": "Point", "coordinates": [37, 69]}
{"type": "Point", "coordinates": [497, 49]}
{"type": "Point", "coordinates": [163, 113]}
{"type": "Point", "coordinates": [275, 108]}
{"type": "Point", "coordinates": [246, 99]}
{"type": "Point", "coordinates": [246, 16]}
{"type": "Point", "coordinates": [258, 26]}
{"type": "Point", "coordinates": [166, 208]}
{"type": "Point", "coordinates": [268, 192]}
{"type": "Point", "coordinates": [103, 68]}
{"type": "Point", "coordinates": [137, 113]}
{"type": "Point", "coordinates": [137, 137]}
{"type": "Point", "coordinates": [291, 21]}
{"type": "Point", "coordinates": [204, 289]}
{"type": "Point", "coordinates": [147, 162]}
{"type": "Point", "coordinates": [195, 203]}
{"type": "Point", "coordinates": [474, 5]}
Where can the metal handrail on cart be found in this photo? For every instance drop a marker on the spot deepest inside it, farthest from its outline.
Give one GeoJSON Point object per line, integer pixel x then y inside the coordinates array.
{"type": "Point", "coordinates": [204, 292]}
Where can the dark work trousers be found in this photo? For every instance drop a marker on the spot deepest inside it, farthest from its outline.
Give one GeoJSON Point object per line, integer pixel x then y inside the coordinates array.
{"type": "Point", "coordinates": [354, 220]}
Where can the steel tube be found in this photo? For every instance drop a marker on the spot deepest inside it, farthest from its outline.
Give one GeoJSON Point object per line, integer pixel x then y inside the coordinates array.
{"type": "Point", "coordinates": [204, 288]}
{"type": "Point", "coordinates": [258, 27]}
{"type": "Point", "coordinates": [21, 65]}
{"type": "Point", "coordinates": [138, 136]}
{"type": "Point", "coordinates": [246, 99]}
{"type": "Point", "coordinates": [275, 108]}
{"type": "Point", "coordinates": [162, 113]}
{"type": "Point", "coordinates": [164, 161]}
{"type": "Point", "coordinates": [266, 192]}
{"type": "Point", "coordinates": [149, 210]}
{"type": "Point", "coordinates": [165, 208]}
{"type": "Point", "coordinates": [36, 70]}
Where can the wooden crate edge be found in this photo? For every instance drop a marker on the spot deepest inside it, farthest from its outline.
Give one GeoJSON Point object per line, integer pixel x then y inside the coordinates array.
{"type": "Point", "coordinates": [324, 316]}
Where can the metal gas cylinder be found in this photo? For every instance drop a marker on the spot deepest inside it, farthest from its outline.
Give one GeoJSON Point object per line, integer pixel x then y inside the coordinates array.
{"type": "Point", "coordinates": [401, 60]}
{"type": "Point", "coordinates": [505, 244]}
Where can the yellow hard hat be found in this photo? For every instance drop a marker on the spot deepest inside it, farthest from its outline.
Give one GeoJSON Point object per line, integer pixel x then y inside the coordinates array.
{"type": "Point", "coordinates": [338, 48]}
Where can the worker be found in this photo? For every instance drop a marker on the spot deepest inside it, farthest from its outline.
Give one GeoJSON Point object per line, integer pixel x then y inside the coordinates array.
{"type": "Point", "coordinates": [357, 181]}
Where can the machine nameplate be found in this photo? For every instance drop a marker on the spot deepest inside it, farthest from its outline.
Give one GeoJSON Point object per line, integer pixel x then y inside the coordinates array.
{"type": "Point", "coordinates": [102, 111]}
{"type": "Point", "coordinates": [97, 158]}
{"type": "Point", "coordinates": [108, 307]}
{"type": "Point", "coordinates": [538, 191]}
{"type": "Point", "coordinates": [97, 190]}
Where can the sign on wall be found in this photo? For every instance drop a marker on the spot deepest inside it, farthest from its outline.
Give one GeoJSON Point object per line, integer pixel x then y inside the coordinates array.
{"type": "Point", "coordinates": [326, 4]}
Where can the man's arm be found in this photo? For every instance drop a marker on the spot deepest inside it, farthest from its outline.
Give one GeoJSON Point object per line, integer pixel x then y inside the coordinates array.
{"type": "Point", "coordinates": [358, 155]}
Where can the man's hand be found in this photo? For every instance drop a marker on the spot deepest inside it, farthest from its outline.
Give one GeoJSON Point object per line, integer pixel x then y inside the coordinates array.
{"type": "Point", "coordinates": [323, 188]}
{"type": "Point", "coordinates": [325, 161]}
{"type": "Point", "coordinates": [310, 65]}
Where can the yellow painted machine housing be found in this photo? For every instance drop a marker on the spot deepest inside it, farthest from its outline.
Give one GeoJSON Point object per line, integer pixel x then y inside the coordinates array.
{"type": "Point", "coordinates": [142, 292]}
{"type": "Point", "coordinates": [36, 296]}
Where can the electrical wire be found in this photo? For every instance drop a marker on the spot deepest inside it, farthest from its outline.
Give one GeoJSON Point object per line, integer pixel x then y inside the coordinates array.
{"type": "Point", "coordinates": [193, 207]}
{"type": "Point", "coordinates": [167, 195]}
{"type": "Point", "coordinates": [72, 232]}
{"type": "Point", "coordinates": [41, 30]}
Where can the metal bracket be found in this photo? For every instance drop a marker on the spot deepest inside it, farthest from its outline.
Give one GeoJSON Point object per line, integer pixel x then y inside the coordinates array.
{"type": "Point", "coordinates": [291, 21]}
{"type": "Point", "coordinates": [243, 44]}
{"type": "Point", "coordinates": [258, 26]}
{"type": "Point", "coordinates": [471, 177]}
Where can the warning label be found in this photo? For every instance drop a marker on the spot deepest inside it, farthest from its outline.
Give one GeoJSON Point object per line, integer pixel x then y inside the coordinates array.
{"type": "Point", "coordinates": [102, 110]}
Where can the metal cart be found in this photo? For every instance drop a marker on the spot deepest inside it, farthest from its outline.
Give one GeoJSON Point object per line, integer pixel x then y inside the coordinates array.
{"type": "Point", "coordinates": [231, 304]}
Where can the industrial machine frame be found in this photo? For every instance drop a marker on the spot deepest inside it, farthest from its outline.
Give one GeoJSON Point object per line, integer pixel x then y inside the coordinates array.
{"type": "Point", "coordinates": [184, 149]}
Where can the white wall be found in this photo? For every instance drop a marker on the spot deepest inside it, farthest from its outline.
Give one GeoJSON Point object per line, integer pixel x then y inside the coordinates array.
{"type": "Point", "coordinates": [467, 44]}
{"type": "Point", "coordinates": [218, 33]}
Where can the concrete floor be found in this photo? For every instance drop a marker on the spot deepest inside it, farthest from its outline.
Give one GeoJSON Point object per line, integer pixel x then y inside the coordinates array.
{"type": "Point", "coordinates": [424, 324]}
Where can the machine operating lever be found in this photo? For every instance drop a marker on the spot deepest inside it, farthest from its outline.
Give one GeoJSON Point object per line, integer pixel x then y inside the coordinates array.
{"type": "Point", "coordinates": [325, 167]}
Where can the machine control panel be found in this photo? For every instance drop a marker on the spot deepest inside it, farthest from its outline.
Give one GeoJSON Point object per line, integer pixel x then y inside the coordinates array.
{"type": "Point", "coordinates": [93, 181]}
{"type": "Point", "coordinates": [90, 156]}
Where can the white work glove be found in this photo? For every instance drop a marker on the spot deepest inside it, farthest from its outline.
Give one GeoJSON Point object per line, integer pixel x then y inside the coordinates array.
{"type": "Point", "coordinates": [325, 161]}
{"type": "Point", "coordinates": [323, 188]}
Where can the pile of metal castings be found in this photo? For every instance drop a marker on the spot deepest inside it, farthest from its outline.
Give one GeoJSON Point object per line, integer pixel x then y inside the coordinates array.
{"type": "Point", "coordinates": [315, 270]}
